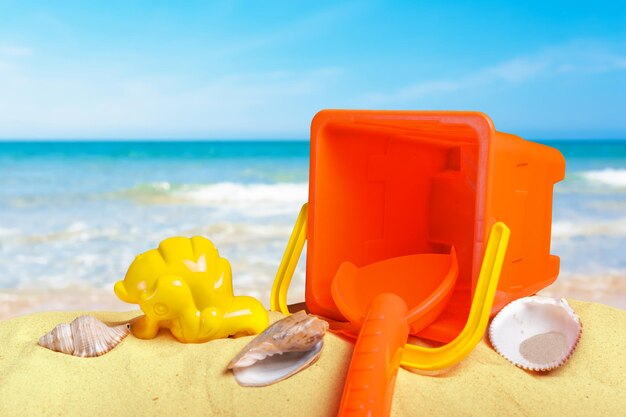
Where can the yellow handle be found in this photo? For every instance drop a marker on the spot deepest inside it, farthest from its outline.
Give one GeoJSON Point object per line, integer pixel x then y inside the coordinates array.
{"type": "Point", "coordinates": [444, 356]}
{"type": "Point", "coordinates": [418, 357]}
{"type": "Point", "coordinates": [278, 297]}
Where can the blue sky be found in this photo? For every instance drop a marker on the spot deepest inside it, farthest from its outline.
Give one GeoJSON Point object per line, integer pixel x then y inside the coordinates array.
{"type": "Point", "coordinates": [153, 69]}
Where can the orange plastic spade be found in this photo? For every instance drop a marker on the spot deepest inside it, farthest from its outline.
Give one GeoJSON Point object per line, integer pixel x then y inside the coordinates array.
{"type": "Point", "coordinates": [423, 281]}
{"type": "Point", "coordinates": [375, 298]}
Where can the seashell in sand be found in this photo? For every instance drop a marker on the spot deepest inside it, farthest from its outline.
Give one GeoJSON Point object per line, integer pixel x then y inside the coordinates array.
{"type": "Point", "coordinates": [86, 336]}
{"type": "Point", "coordinates": [282, 350]}
{"type": "Point", "coordinates": [536, 333]}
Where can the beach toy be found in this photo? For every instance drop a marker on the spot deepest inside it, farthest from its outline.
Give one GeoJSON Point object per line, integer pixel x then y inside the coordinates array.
{"type": "Point", "coordinates": [387, 184]}
{"type": "Point", "coordinates": [423, 281]}
{"type": "Point", "coordinates": [379, 350]}
{"type": "Point", "coordinates": [536, 333]}
{"type": "Point", "coordinates": [282, 350]}
{"type": "Point", "coordinates": [385, 320]}
{"type": "Point", "coordinates": [185, 286]}
{"type": "Point", "coordinates": [85, 336]}
{"type": "Point", "coordinates": [280, 287]}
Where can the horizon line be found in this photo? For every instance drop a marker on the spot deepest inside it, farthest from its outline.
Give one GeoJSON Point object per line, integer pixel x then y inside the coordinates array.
{"type": "Point", "coordinates": [131, 140]}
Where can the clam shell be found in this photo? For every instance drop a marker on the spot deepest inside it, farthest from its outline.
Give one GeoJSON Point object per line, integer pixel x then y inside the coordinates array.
{"type": "Point", "coordinates": [536, 333]}
{"type": "Point", "coordinates": [86, 336]}
{"type": "Point", "coordinates": [282, 350]}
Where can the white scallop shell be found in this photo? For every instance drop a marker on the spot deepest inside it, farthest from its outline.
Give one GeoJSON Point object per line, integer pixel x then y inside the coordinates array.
{"type": "Point", "coordinates": [536, 333]}
{"type": "Point", "coordinates": [86, 336]}
{"type": "Point", "coordinates": [282, 350]}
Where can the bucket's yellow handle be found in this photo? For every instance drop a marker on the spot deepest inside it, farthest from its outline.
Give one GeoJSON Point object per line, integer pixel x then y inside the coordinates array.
{"type": "Point", "coordinates": [278, 297]}
{"type": "Point", "coordinates": [420, 357]}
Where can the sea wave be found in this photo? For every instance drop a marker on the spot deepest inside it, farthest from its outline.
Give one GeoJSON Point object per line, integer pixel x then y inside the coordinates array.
{"type": "Point", "coordinates": [8, 232]}
{"type": "Point", "coordinates": [249, 200]}
{"type": "Point", "coordinates": [222, 193]}
{"type": "Point", "coordinates": [99, 255]}
{"type": "Point", "coordinates": [608, 176]}
{"type": "Point", "coordinates": [563, 229]}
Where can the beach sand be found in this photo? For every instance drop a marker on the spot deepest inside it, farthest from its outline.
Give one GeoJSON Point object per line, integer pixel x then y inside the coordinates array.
{"type": "Point", "coordinates": [166, 378]}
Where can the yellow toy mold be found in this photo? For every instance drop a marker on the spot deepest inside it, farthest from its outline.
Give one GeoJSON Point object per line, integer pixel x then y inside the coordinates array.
{"type": "Point", "coordinates": [185, 286]}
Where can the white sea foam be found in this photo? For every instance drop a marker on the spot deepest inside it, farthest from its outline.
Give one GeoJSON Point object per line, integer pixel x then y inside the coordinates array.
{"type": "Point", "coordinates": [255, 199]}
{"type": "Point", "coordinates": [9, 231]}
{"type": "Point", "coordinates": [247, 194]}
{"type": "Point", "coordinates": [566, 229]}
{"type": "Point", "coordinates": [608, 176]}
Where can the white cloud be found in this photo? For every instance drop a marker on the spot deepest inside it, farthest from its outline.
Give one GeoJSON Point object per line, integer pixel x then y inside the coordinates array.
{"type": "Point", "coordinates": [576, 56]}
{"type": "Point", "coordinates": [237, 105]}
{"type": "Point", "coordinates": [14, 50]}
{"type": "Point", "coordinates": [306, 27]}
{"type": "Point", "coordinates": [515, 70]}
{"type": "Point", "coordinates": [117, 101]}
{"type": "Point", "coordinates": [111, 99]}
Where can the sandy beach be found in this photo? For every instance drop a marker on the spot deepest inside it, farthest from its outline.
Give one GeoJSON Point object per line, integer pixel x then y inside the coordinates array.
{"type": "Point", "coordinates": [64, 243]}
{"type": "Point", "coordinates": [164, 377]}
{"type": "Point", "coordinates": [405, 165]}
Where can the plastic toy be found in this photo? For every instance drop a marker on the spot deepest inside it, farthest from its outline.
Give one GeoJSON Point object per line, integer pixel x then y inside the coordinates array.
{"type": "Point", "coordinates": [381, 346]}
{"type": "Point", "coordinates": [185, 286]}
{"type": "Point", "coordinates": [386, 184]}
{"type": "Point", "coordinates": [375, 299]}
{"type": "Point", "coordinates": [355, 288]}
{"type": "Point", "coordinates": [385, 321]}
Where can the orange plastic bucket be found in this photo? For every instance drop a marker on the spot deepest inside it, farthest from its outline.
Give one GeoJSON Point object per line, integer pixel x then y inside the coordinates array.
{"type": "Point", "coordinates": [387, 184]}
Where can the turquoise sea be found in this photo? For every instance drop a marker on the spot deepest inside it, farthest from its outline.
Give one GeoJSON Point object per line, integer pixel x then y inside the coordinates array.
{"type": "Point", "coordinates": [74, 214]}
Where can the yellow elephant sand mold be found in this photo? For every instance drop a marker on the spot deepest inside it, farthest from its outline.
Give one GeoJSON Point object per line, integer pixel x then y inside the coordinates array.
{"type": "Point", "coordinates": [184, 285]}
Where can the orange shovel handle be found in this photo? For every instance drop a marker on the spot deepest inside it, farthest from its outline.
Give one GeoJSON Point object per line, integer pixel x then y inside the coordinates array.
{"type": "Point", "coordinates": [372, 374]}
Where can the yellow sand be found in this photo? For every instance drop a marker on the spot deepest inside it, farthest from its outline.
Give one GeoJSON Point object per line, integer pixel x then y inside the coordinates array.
{"type": "Point", "coordinates": [162, 377]}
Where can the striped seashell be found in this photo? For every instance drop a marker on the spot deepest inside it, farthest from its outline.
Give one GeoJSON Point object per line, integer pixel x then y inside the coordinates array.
{"type": "Point", "coordinates": [86, 336]}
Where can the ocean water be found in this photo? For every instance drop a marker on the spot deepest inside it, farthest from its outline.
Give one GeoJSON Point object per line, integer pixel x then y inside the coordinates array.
{"type": "Point", "coordinates": [74, 215]}
{"type": "Point", "coordinates": [589, 213]}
